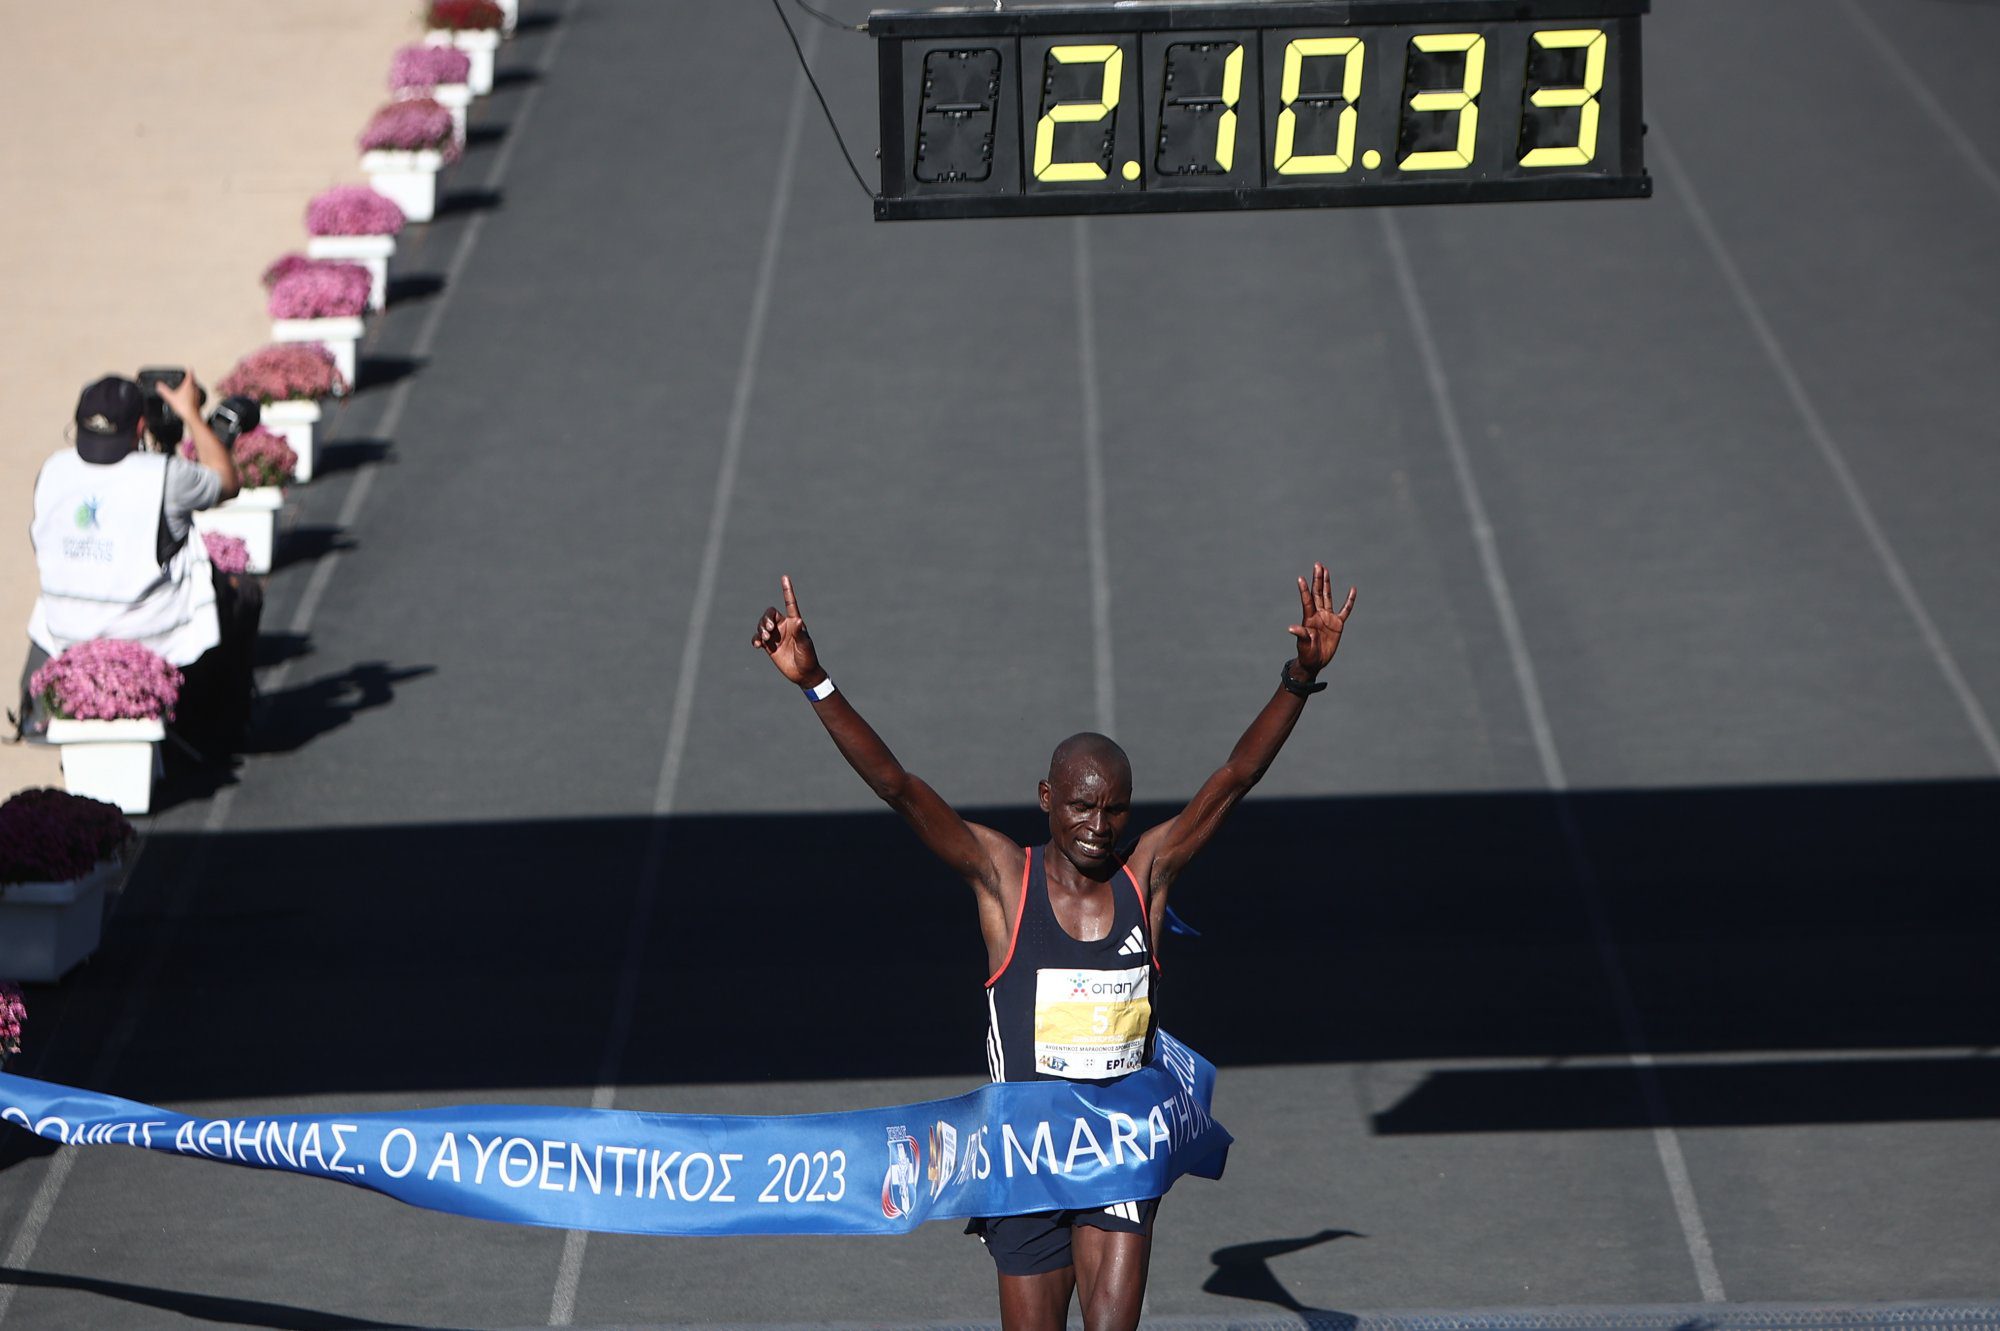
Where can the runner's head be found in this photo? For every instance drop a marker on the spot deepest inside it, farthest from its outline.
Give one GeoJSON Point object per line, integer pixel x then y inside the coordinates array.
{"type": "Point", "coordinates": [1088, 798]}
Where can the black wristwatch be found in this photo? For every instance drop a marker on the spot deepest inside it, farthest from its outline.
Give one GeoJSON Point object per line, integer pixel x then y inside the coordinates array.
{"type": "Point", "coordinates": [1299, 687]}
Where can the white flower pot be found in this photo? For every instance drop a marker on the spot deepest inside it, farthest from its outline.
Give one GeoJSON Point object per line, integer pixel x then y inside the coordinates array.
{"type": "Point", "coordinates": [336, 335]}
{"type": "Point", "coordinates": [479, 44]}
{"type": "Point", "coordinates": [252, 517]}
{"type": "Point", "coordinates": [113, 761]}
{"type": "Point", "coordinates": [512, 9]}
{"type": "Point", "coordinates": [455, 98]}
{"type": "Point", "coordinates": [46, 928]}
{"type": "Point", "coordinates": [371, 252]}
{"type": "Point", "coordinates": [294, 420]}
{"type": "Point", "coordinates": [410, 178]}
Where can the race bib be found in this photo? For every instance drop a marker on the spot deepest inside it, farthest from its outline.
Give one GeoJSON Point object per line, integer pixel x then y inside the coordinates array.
{"type": "Point", "coordinates": [1090, 1025]}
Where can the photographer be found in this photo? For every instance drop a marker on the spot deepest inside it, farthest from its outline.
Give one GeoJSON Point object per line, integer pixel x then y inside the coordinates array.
{"type": "Point", "coordinates": [113, 537]}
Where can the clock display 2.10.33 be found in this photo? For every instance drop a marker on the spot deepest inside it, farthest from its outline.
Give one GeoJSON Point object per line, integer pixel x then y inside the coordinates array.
{"type": "Point", "coordinates": [1149, 108]}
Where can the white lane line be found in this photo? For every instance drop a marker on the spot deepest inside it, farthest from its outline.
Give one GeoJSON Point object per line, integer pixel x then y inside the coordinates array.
{"type": "Point", "coordinates": [1093, 478]}
{"type": "Point", "coordinates": [569, 1274]}
{"type": "Point", "coordinates": [30, 1232]}
{"type": "Point", "coordinates": [1829, 449]}
{"type": "Point", "coordinates": [22, 1249]}
{"type": "Point", "coordinates": [1913, 83]}
{"type": "Point", "coordinates": [1666, 1141]}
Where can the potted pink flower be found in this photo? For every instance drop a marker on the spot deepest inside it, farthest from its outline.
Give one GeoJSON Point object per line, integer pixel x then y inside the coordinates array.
{"type": "Point", "coordinates": [265, 464]}
{"type": "Point", "coordinates": [316, 300]}
{"type": "Point", "coordinates": [474, 27]}
{"type": "Point", "coordinates": [288, 379]}
{"type": "Point", "coordinates": [284, 372]}
{"type": "Point", "coordinates": [13, 1018]}
{"type": "Point", "coordinates": [403, 147]}
{"type": "Point", "coordinates": [108, 703]}
{"type": "Point", "coordinates": [354, 223]}
{"type": "Point", "coordinates": [442, 73]}
{"type": "Point", "coordinates": [352, 210]}
{"type": "Point", "coordinates": [59, 855]}
{"type": "Point", "coordinates": [303, 288]}
{"type": "Point", "coordinates": [229, 554]}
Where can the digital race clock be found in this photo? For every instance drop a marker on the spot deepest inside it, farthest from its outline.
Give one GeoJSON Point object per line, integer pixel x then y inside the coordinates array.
{"type": "Point", "coordinates": [1165, 106]}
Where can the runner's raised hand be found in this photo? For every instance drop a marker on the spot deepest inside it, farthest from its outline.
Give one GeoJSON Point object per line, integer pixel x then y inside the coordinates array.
{"type": "Point", "coordinates": [1319, 626]}
{"type": "Point", "coordinates": [784, 639]}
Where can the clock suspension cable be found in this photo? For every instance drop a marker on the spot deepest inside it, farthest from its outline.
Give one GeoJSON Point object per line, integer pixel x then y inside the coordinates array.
{"type": "Point", "coordinates": [829, 19]}
{"type": "Point", "coordinates": [824, 108]}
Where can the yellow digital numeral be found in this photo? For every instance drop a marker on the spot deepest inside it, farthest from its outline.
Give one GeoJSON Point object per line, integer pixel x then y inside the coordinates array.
{"type": "Point", "coordinates": [1463, 99]}
{"type": "Point", "coordinates": [1297, 52]}
{"type": "Point", "coordinates": [1225, 128]}
{"type": "Point", "coordinates": [1584, 149]}
{"type": "Point", "coordinates": [1066, 113]}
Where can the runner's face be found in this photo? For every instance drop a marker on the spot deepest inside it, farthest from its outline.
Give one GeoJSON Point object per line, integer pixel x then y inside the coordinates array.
{"type": "Point", "coordinates": [1088, 802]}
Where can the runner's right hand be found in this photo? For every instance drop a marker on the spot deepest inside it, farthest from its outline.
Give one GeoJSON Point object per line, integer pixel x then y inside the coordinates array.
{"type": "Point", "coordinates": [784, 639]}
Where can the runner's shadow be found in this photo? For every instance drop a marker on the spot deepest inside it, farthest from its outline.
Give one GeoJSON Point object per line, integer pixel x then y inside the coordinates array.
{"type": "Point", "coordinates": [203, 1307]}
{"type": "Point", "coordinates": [1243, 1271]}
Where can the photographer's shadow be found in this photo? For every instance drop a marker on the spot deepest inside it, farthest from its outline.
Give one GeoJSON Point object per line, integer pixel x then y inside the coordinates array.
{"type": "Point", "coordinates": [1243, 1271]}
{"type": "Point", "coordinates": [291, 718]}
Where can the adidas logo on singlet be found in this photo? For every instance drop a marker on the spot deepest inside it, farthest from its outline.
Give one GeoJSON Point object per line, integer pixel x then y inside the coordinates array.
{"type": "Point", "coordinates": [1134, 944]}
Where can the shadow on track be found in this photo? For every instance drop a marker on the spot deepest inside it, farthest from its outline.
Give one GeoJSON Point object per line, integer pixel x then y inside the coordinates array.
{"type": "Point", "coordinates": [1243, 1271]}
{"type": "Point", "coordinates": [201, 1307]}
{"type": "Point", "coordinates": [291, 718]}
{"type": "Point", "coordinates": [382, 371]}
{"type": "Point", "coordinates": [351, 454]}
{"type": "Point", "coordinates": [460, 201]}
{"type": "Point", "coordinates": [307, 542]}
{"type": "Point", "coordinates": [419, 959]}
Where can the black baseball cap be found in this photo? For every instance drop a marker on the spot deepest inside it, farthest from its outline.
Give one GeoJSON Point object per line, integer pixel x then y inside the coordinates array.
{"type": "Point", "coordinates": [107, 419]}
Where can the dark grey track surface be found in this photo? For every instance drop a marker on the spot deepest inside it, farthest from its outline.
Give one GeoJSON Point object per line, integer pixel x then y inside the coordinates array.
{"type": "Point", "coordinates": [1750, 549]}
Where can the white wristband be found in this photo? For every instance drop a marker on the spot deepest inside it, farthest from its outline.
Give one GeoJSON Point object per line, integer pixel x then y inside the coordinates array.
{"type": "Point", "coordinates": [821, 691]}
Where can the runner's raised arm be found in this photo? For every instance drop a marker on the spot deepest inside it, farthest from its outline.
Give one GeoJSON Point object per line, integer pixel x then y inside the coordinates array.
{"type": "Point", "coordinates": [972, 851]}
{"type": "Point", "coordinates": [1166, 849]}
{"type": "Point", "coordinates": [1071, 930]}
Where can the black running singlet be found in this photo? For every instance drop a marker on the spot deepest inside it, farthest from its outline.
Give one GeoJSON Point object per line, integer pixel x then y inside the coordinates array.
{"type": "Point", "coordinates": [1062, 1009]}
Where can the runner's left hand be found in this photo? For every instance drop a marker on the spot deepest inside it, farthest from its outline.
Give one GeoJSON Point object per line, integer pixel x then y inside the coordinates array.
{"type": "Point", "coordinates": [1319, 627]}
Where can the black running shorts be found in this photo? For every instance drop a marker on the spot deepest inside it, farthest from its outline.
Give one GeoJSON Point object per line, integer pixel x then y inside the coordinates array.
{"type": "Point", "coordinates": [1033, 1244]}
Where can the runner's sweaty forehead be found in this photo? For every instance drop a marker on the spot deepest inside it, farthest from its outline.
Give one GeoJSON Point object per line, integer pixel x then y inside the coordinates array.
{"type": "Point", "coordinates": [1088, 753]}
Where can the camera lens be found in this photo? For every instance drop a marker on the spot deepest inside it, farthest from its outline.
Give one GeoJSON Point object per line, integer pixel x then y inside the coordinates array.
{"type": "Point", "coordinates": [232, 417]}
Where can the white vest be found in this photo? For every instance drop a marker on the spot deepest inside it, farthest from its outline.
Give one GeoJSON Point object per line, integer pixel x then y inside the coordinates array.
{"type": "Point", "coordinates": [95, 531]}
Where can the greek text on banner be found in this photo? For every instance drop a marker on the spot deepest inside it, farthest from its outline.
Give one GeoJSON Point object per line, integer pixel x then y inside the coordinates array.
{"type": "Point", "coordinates": [1004, 1149]}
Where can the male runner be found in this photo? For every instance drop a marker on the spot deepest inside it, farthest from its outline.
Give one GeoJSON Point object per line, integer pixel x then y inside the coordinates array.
{"type": "Point", "coordinates": [1079, 903]}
